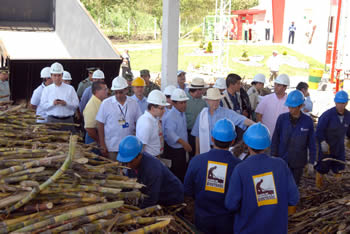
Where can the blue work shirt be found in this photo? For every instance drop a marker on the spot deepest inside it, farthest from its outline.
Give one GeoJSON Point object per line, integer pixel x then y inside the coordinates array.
{"type": "Point", "coordinates": [142, 103]}
{"type": "Point", "coordinates": [261, 189]}
{"type": "Point", "coordinates": [331, 130]}
{"type": "Point", "coordinates": [209, 194]}
{"type": "Point", "coordinates": [291, 142]}
{"type": "Point", "coordinates": [220, 113]}
{"type": "Point", "coordinates": [161, 185]}
{"type": "Point", "coordinates": [85, 98]}
{"type": "Point", "coordinates": [175, 128]}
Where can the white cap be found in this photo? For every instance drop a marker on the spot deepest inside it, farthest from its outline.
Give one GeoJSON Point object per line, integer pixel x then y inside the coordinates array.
{"type": "Point", "coordinates": [66, 76]}
{"type": "Point", "coordinates": [179, 72]}
{"type": "Point", "coordinates": [169, 90]}
{"type": "Point", "coordinates": [119, 83]}
{"type": "Point", "coordinates": [56, 68]}
{"type": "Point", "coordinates": [45, 73]}
{"type": "Point", "coordinates": [282, 79]}
{"type": "Point", "coordinates": [213, 94]}
{"type": "Point", "coordinates": [259, 78]}
{"type": "Point", "coordinates": [179, 95]}
{"type": "Point", "coordinates": [220, 83]}
{"type": "Point", "coordinates": [156, 97]}
{"type": "Point", "coordinates": [98, 74]}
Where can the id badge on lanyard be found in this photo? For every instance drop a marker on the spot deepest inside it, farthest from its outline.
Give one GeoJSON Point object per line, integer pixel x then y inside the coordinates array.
{"type": "Point", "coordinates": [122, 121]}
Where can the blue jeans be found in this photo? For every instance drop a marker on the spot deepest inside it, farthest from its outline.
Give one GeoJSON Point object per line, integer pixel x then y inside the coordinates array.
{"type": "Point", "coordinates": [89, 140]}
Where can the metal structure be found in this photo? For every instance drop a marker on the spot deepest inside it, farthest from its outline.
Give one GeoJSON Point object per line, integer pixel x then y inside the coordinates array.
{"type": "Point", "coordinates": [222, 35]}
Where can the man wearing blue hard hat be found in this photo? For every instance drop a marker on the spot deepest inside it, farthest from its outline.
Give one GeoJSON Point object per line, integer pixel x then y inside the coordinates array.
{"type": "Point", "coordinates": [207, 180]}
{"type": "Point", "coordinates": [161, 186]}
{"type": "Point", "coordinates": [332, 127]}
{"type": "Point", "coordinates": [261, 189]}
{"type": "Point", "coordinates": [294, 136]}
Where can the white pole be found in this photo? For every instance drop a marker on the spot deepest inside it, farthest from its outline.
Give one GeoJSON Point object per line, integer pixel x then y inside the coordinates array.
{"type": "Point", "coordinates": [170, 41]}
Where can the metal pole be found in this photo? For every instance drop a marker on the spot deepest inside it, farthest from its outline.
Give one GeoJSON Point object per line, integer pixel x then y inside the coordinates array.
{"type": "Point", "coordinates": [336, 41]}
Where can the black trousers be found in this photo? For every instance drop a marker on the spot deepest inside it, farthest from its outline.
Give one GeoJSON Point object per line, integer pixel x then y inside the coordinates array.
{"type": "Point", "coordinates": [178, 160]}
{"type": "Point", "coordinates": [267, 34]}
{"type": "Point", "coordinates": [192, 142]}
{"type": "Point", "coordinates": [246, 36]}
{"type": "Point", "coordinates": [297, 174]}
{"type": "Point", "coordinates": [291, 37]}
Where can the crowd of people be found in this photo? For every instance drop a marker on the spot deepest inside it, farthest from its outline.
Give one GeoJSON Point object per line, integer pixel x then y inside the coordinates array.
{"type": "Point", "coordinates": [179, 142]}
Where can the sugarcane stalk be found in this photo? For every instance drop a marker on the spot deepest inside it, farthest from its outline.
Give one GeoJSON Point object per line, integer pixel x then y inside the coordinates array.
{"type": "Point", "coordinates": [51, 180]}
{"type": "Point", "coordinates": [151, 228]}
{"type": "Point", "coordinates": [28, 171]}
{"type": "Point", "coordinates": [80, 221]}
{"type": "Point", "coordinates": [144, 220]}
{"type": "Point", "coordinates": [119, 219]}
{"type": "Point", "coordinates": [12, 199]}
{"type": "Point", "coordinates": [37, 207]}
{"type": "Point", "coordinates": [72, 214]}
{"type": "Point", "coordinates": [92, 188]}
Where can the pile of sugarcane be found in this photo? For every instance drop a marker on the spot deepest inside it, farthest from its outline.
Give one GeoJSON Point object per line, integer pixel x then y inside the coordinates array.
{"type": "Point", "coordinates": [49, 185]}
{"type": "Point", "coordinates": [325, 210]}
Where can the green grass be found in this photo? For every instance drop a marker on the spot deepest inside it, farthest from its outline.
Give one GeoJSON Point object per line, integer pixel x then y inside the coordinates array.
{"type": "Point", "coordinates": [151, 59]}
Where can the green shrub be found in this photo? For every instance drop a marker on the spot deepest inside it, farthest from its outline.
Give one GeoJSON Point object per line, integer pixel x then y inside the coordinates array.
{"type": "Point", "coordinates": [245, 54]}
{"type": "Point", "coordinates": [210, 47]}
{"type": "Point", "coordinates": [284, 53]}
{"type": "Point", "coordinates": [201, 45]}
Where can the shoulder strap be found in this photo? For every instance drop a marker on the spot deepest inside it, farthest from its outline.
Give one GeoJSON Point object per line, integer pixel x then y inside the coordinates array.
{"type": "Point", "coordinates": [227, 103]}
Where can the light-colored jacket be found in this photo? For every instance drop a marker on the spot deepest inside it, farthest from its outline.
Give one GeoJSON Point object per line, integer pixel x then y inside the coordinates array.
{"type": "Point", "coordinates": [226, 101]}
{"type": "Point", "coordinates": [253, 97]}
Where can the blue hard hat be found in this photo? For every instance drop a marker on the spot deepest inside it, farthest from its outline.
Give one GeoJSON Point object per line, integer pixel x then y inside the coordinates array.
{"type": "Point", "coordinates": [341, 97]}
{"type": "Point", "coordinates": [224, 131]}
{"type": "Point", "coordinates": [257, 136]}
{"type": "Point", "coordinates": [129, 148]}
{"type": "Point", "coordinates": [295, 98]}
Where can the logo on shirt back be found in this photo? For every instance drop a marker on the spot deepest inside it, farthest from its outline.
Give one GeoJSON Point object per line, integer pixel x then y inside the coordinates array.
{"type": "Point", "coordinates": [216, 177]}
{"type": "Point", "coordinates": [304, 129]}
{"type": "Point", "coordinates": [265, 189]}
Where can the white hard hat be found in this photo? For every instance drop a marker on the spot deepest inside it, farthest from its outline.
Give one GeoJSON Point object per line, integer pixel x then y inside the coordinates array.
{"type": "Point", "coordinates": [66, 76]}
{"type": "Point", "coordinates": [220, 83]}
{"type": "Point", "coordinates": [259, 78]}
{"type": "Point", "coordinates": [282, 79]}
{"type": "Point", "coordinates": [98, 74]}
{"type": "Point", "coordinates": [179, 95]}
{"type": "Point", "coordinates": [56, 68]}
{"type": "Point", "coordinates": [119, 83]}
{"type": "Point", "coordinates": [169, 90]}
{"type": "Point", "coordinates": [156, 97]}
{"type": "Point", "coordinates": [45, 73]}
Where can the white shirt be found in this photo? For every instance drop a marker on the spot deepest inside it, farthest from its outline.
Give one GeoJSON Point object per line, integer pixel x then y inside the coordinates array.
{"type": "Point", "coordinates": [147, 130]}
{"type": "Point", "coordinates": [112, 114]}
{"type": "Point", "coordinates": [274, 63]}
{"type": "Point", "coordinates": [64, 92]}
{"type": "Point", "coordinates": [35, 101]}
{"type": "Point", "coordinates": [271, 107]}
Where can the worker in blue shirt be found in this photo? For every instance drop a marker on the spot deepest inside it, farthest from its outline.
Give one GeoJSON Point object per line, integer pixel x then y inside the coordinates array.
{"type": "Point", "coordinates": [262, 189]}
{"type": "Point", "coordinates": [161, 186]}
{"type": "Point", "coordinates": [293, 136]}
{"type": "Point", "coordinates": [175, 134]}
{"type": "Point", "coordinates": [207, 179]}
{"type": "Point", "coordinates": [332, 127]}
{"type": "Point", "coordinates": [209, 115]}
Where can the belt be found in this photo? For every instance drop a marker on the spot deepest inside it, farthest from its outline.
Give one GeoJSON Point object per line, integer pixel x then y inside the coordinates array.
{"type": "Point", "coordinates": [60, 117]}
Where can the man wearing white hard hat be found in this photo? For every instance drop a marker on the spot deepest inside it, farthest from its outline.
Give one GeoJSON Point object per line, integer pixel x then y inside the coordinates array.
{"type": "Point", "coordinates": [181, 79]}
{"type": "Point", "coordinates": [45, 75]}
{"type": "Point", "coordinates": [67, 78]}
{"type": "Point", "coordinates": [149, 126]}
{"type": "Point", "coordinates": [208, 117]}
{"type": "Point", "coordinates": [195, 105]}
{"type": "Point", "coordinates": [116, 118]}
{"type": "Point", "coordinates": [272, 105]}
{"type": "Point", "coordinates": [167, 92]}
{"type": "Point", "coordinates": [175, 134]}
{"type": "Point", "coordinates": [98, 75]}
{"type": "Point", "coordinates": [220, 84]}
{"type": "Point", "coordinates": [254, 92]}
{"type": "Point", "coordinates": [59, 100]}
{"type": "Point", "coordinates": [86, 82]}
{"type": "Point", "coordinates": [274, 63]}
